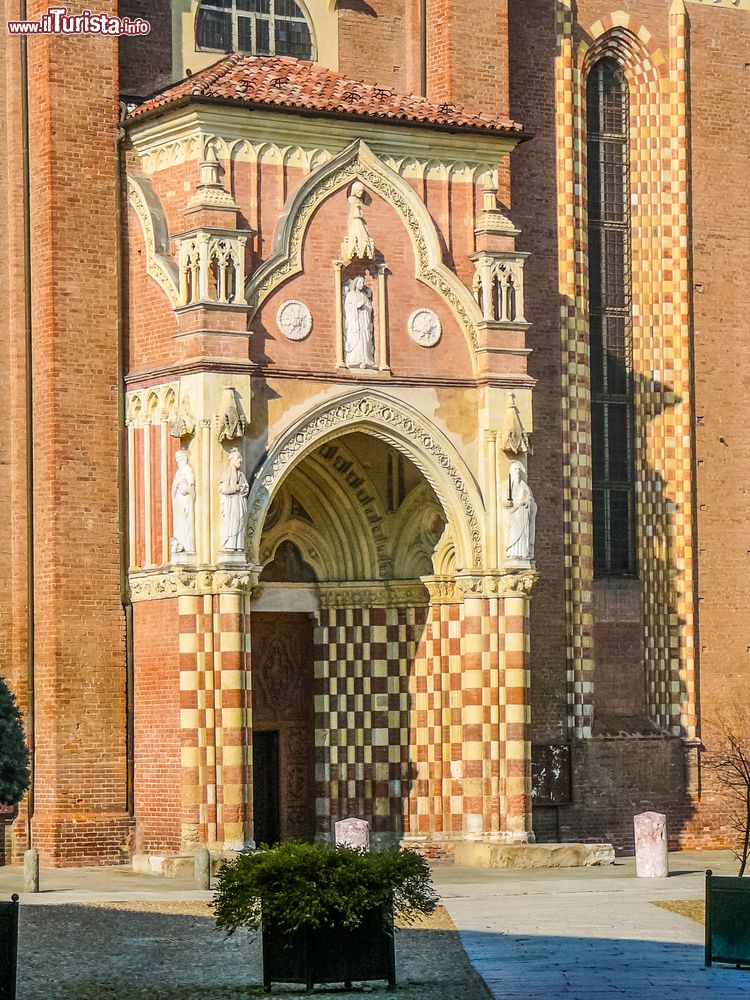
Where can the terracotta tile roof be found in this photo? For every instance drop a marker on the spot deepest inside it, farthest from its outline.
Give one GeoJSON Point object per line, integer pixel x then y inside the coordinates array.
{"type": "Point", "coordinates": [284, 82]}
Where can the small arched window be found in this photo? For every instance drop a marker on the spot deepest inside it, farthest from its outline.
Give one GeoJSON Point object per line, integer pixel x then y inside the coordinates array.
{"type": "Point", "coordinates": [261, 27]}
{"type": "Point", "coordinates": [611, 320]}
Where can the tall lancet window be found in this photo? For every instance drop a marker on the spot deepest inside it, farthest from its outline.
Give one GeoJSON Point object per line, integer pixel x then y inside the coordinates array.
{"type": "Point", "coordinates": [611, 326]}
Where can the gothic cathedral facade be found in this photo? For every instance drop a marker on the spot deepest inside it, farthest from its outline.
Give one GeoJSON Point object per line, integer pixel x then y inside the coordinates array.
{"type": "Point", "coordinates": [376, 421]}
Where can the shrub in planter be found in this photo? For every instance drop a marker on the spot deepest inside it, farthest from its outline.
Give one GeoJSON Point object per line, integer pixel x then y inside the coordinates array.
{"type": "Point", "coordinates": [14, 757]}
{"type": "Point", "coordinates": [326, 913]}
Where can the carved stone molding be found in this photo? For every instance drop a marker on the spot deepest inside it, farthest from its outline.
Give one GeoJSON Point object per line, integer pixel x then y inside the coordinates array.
{"type": "Point", "coordinates": [401, 427]}
{"type": "Point", "coordinates": [513, 438]}
{"type": "Point", "coordinates": [182, 423]}
{"type": "Point", "coordinates": [183, 581]}
{"type": "Point", "coordinates": [159, 265]}
{"type": "Point", "coordinates": [442, 590]}
{"type": "Point", "coordinates": [231, 419]}
{"type": "Point", "coordinates": [373, 594]}
{"type": "Point", "coordinates": [497, 584]}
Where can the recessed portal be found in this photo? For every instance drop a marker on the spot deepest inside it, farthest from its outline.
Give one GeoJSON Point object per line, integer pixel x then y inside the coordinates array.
{"type": "Point", "coordinates": [283, 736]}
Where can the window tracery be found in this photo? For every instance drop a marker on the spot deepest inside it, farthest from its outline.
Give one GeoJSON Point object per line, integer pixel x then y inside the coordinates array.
{"type": "Point", "coordinates": [610, 320]}
{"type": "Point", "coordinates": [261, 27]}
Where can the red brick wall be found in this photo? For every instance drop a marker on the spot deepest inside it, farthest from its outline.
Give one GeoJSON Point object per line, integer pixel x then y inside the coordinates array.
{"type": "Point", "coordinates": [467, 59]}
{"type": "Point", "coordinates": [80, 662]}
{"type": "Point", "coordinates": [531, 52]}
{"type": "Point", "coordinates": [719, 47]}
{"type": "Point", "coordinates": [146, 60]}
{"type": "Point", "coordinates": [157, 726]}
{"type": "Point", "coordinates": [379, 42]}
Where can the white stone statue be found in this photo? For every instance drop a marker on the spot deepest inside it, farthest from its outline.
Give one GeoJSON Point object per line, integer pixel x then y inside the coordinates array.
{"type": "Point", "coordinates": [234, 490]}
{"type": "Point", "coordinates": [359, 327]}
{"type": "Point", "coordinates": [358, 242]}
{"type": "Point", "coordinates": [183, 506]}
{"type": "Point", "coordinates": [520, 516]}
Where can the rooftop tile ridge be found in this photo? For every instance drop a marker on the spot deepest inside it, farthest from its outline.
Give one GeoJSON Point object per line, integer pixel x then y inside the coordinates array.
{"type": "Point", "coordinates": [212, 75]}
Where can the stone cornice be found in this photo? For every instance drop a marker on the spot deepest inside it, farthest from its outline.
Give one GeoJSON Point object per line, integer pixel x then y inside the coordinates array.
{"type": "Point", "coordinates": [149, 376]}
{"type": "Point", "coordinates": [174, 131]}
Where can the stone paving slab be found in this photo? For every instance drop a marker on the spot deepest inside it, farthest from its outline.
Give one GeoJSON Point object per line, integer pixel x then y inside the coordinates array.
{"type": "Point", "coordinates": [589, 933]}
{"type": "Point", "coordinates": [85, 952]}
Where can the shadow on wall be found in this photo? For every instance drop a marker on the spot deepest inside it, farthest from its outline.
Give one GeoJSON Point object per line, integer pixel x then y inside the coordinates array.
{"type": "Point", "coordinates": [636, 760]}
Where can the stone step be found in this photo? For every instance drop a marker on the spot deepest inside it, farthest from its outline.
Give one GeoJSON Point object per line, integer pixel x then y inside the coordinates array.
{"type": "Point", "coordinates": [476, 854]}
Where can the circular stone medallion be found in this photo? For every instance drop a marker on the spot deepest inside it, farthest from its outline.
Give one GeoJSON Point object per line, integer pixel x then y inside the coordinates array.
{"type": "Point", "coordinates": [294, 319]}
{"type": "Point", "coordinates": [424, 327]}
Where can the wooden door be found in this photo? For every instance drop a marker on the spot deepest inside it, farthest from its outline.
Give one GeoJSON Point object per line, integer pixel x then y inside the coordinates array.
{"type": "Point", "coordinates": [282, 697]}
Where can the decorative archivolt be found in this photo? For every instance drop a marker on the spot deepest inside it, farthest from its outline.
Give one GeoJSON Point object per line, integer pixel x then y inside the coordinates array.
{"type": "Point", "coordinates": [359, 162]}
{"type": "Point", "coordinates": [404, 429]}
{"type": "Point", "coordinates": [629, 42]}
{"type": "Point", "coordinates": [159, 264]}
{"type": "Point", "coordinates": [343, 540]}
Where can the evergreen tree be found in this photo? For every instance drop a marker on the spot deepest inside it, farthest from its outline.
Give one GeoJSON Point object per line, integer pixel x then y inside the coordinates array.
{"type": "Point", "coordinates": [14, 757]}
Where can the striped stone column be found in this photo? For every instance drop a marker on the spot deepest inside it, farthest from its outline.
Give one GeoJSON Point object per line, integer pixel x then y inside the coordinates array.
{"type": "Point", "coordinates": [515, 731]}
{"type": "Point", "coordinates": [215, 720]}
{"type": "Point", "coordinates": [473, 748]}
{"type": "Point", "coordinates": [191, 651]}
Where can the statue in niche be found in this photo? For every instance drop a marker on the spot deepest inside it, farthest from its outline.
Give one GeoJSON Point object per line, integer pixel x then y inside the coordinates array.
{"type": "Point", "coordinates": [358, 242]}
{"type": "Point", "coordinates": [234, 491]}
{"type": "Point", "coordinates": [520, 516]}
{"type": "Point", "coordinates": [183, 506]}
{"type": "Point", "coordinates": [359, 327]}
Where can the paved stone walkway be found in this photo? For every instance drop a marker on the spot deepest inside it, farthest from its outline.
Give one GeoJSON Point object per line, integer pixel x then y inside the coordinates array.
{"type": "Point", "coordinates": [571, 934]}
{"type": "Point", "coordinates": [587, 934]}
{"type": "Point", "coordinates": [106, 934]}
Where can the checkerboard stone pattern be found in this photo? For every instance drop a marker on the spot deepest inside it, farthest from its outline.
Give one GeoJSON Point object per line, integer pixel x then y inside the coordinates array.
{"type": "Point", "coordinates": [422, 718]}
{"type": "Point", "coordinates": [215, 720]}
{"type": "Point", "coordinates": [661, 355]}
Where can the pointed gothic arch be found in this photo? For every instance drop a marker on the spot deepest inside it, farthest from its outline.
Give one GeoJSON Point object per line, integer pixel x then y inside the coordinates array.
{"type": "Point", "coordinates": [403, 428]}
{"type": "Point", "coordinates": [359, 162]}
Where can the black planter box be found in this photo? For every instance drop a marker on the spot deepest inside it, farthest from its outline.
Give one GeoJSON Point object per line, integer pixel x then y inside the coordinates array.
{"type": "Point", "coordinates": [8, 948]}
{"type": "Point", "coordinates": [727, 920]}
{"type": "Point", "coordinates": [331, 954]}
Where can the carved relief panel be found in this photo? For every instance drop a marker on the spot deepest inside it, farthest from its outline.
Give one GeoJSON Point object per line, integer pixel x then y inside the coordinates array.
{"type": "Point", "coordinates": [282, 683]}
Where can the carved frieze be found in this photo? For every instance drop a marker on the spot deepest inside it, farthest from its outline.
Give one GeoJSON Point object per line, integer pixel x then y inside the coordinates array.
{"type": "Point", "coordinates": [372, 594]}
{"type": "Point", "coordinates": [520, 584]}
{"type": "Point", "coordinates": [183, 581]}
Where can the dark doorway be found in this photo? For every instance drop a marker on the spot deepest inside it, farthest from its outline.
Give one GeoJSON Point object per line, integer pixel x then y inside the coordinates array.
{"type": "Point", "coordinates": [266, 811]}
{"type": "Point", "coordinates": [282, 707]}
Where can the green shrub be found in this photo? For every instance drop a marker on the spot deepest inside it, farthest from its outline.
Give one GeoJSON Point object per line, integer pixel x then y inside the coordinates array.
{"type": "Point", "coordinates": [297, 885]}
{"type": "Point", "coordinates": [14, 757]}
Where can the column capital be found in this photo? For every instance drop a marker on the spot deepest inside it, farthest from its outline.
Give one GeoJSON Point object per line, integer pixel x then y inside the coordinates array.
{"type": "Point", "coordinates": [518, 584]}
{"type": "Point", "coordinates": [193, 581]}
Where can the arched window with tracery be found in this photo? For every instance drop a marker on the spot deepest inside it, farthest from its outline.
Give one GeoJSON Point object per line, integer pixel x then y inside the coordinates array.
{"type": "Point", "coordinates": [261, 27]}
{"type": "Point", "coordinates": [611, 320]}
